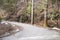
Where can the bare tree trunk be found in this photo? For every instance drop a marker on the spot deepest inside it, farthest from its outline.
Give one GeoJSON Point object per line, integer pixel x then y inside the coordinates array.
{"type": "Point", "coordinates": [32, 14]}
{"type": "Point", "coordinates": [45, 14]}
{"type": "Point", "coordinates": [58, 11]}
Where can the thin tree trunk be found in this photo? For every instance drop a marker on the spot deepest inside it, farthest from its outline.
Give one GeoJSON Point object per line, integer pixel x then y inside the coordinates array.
{"type": "Point", "coordinates": [45, 18]}
{"type": "Point", "coordinates": [32, 14]}
{"type": "Point", "coordinates": [58, 10]}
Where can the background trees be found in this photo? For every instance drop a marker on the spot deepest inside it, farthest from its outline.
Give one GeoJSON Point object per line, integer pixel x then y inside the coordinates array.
{"type": "Point", "coordinates": [20, 10]}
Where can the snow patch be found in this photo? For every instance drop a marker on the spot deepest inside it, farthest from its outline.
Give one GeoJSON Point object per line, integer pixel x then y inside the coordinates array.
{"type": "Point", "coordinates": [55, 28]}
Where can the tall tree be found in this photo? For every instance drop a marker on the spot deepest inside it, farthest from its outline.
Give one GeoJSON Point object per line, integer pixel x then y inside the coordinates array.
{"type": "Point", "coordinates": [32, 13]}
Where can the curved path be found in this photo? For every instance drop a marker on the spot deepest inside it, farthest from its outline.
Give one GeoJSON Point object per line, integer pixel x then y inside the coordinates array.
{"type": "Point", "coordinates": [31, 32]}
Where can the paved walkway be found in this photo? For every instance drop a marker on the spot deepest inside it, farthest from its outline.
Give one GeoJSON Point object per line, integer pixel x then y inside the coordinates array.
{"type": "Point", "coordinates": [31, 32]}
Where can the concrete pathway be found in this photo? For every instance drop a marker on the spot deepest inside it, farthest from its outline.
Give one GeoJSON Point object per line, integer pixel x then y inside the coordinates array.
{"type": "Point", "coordinates": [31, 32]}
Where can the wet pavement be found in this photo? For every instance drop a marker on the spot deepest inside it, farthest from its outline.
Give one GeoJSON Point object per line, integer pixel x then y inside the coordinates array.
{"type": "Point", "coordinates": [31, 32]}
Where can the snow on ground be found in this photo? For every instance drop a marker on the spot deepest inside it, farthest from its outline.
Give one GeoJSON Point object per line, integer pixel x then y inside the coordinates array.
{"type": "Point", "coordinates": [31, 32]}
{"type": "Point", "coordinates": [55, 28]}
